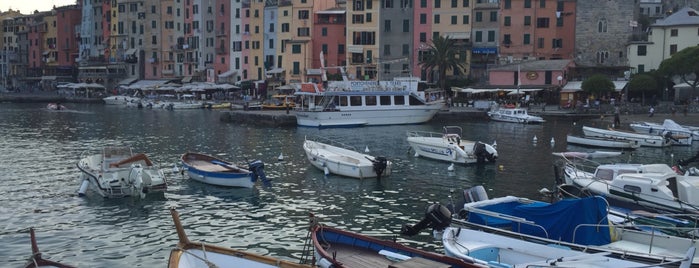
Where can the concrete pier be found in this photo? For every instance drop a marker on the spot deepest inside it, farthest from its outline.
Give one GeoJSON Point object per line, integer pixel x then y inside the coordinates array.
{"type": "Point", "coordinates": [271, 118]}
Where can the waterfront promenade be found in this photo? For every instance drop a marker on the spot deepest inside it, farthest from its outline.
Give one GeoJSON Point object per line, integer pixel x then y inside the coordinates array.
{"type": "Point", "coordinates": [630, 112]}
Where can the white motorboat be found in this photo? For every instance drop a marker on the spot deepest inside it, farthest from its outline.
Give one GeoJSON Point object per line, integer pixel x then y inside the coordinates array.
{"type": "Point", "coordinates": [668, 125]}
{"type": "Point", "coordinates": [588, 155]}
{"type": "Point", "coordinates": [514, 115]}
{"type": "Point", "coordinates": [121, 100]}
{"type": "Point", "coordinates": [580, 224]}
{"type": "Point", "coordinates": [341, 159]}
{"type": "Point", "coordinates": [603, 142]}
{"type": "Point", "coordinates": [496, 250]}
{"type": "Point", "coordinates": [642, 139]}
{"type": "Point", "coordinates": [363, 103]}
{"type": "Point", "coordinates": [656, 186]}
{"type": "Point", "coordinates": [118, 172]}
{"type": "Point", "coordinates": [448, 146]}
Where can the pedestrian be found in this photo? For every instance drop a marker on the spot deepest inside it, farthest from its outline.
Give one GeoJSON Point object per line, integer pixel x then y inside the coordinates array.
{"type": "Point", "coordinates": [617, 120]}
{"type": "Point", "coordinates": [685, 109]}
{"type": "Point", "coordinates": [673, 110]}
{"type": "Point", "coordinates": [651, 111]}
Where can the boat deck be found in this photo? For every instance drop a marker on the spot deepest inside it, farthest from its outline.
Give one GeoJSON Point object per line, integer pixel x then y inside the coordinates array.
{"type": "Point", "coordinates": [209, 167]}
{"type": "Point", "coordinates": [358, 257]}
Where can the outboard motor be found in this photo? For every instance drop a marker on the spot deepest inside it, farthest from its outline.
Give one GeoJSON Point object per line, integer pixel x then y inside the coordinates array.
{"type": "Point", "coordinates": [668, 137]}
{"type": "Point", "coordinates": [483, 151]}
{"type": "Point", "coordinates": [380, 163]}
{"type": "Point", "coordinates": [258, 171]}
{"type": "Point", "coordinates": [437, 217]}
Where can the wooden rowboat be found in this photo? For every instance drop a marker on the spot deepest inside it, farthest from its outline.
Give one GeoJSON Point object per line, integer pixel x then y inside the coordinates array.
{"type": "Point", "coordinates": [36, 260]}
{"type": "Point", "coordinates": [196, 254]}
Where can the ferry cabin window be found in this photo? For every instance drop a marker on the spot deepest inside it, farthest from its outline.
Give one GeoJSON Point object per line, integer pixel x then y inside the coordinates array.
{"type": "Point", "coordinates": [370, 100]}
{"type": "Point", "coordinates": [343, 100]}
{"type": "Point", "coordinates": [385, 100]}
{"type": "Point", "coordinates": [355, 100]}
{"type": "Point", "coordinates": [415, 101]}
{"type": "Point", "coordinates": [399, 100]}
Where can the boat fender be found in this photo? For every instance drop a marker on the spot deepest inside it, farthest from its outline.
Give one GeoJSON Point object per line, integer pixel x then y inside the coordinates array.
{"type": "Point", "coordinates": [83, 187]}
{"type": "Point", "coordinates": [323, 262]}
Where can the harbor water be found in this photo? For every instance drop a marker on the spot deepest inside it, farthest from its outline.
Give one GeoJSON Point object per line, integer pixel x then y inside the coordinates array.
{"type": "Point", "coordinates": [39, 149]}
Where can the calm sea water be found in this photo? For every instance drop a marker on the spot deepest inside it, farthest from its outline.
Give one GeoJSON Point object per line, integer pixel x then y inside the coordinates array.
{"type": "Point", "coordinates": [39, 180]}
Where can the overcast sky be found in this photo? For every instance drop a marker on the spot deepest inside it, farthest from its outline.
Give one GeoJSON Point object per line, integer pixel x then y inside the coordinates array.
{"type": "Point", "coordinates": [28, 6]}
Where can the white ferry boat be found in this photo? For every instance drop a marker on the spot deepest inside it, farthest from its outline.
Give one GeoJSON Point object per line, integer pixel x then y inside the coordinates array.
{"type": "Point", "coordinates": [364, 103]}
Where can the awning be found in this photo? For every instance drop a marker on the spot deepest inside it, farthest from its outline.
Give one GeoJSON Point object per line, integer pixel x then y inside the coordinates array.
{"type": "Point", "coordinates": [131, 51]}
{"type": "Point", "coordinates": [475, 90]}
{"type": "Point", "coordinates": [276, 71]}
{"type": "Point", "coordinates": [573, 86]}
{"type": "Point", "coordinates": [313, 72]}
{"type": "Point", "coordinates": [576, 86]}
{"type": "Point", "coordinates": [522, 91]}
{"type": "Point", "coordinates": [186, 79]}
{"type": "Point", "coordinates": [459, 35]}
{"type": "Point", "coordinates": [127, 81]}
{"type": "Point", "coordinates": [227, 74]}
{"type": "Point", "coordinates": [148, 84]}
{"type": "Point", "coordinates": [355, 49]}
{"type": "Point", "coordinates": [46, 52]}
{"type": "Point", "coordinates": [48, 77]}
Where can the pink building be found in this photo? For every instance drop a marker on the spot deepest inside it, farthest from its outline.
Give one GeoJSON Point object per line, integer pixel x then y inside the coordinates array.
{"type": "Point", "coordinates": [68, 19]}
{"type": "Point", "coordinates": [222, 26]}
{"type": "Point", "coordinates": [422, 34]}
{"type": "Point", "coordinates": [547, 75]}
{"type": "Point", "coordinates": [330, 35]}
{"type": "Point", "coordinates": [537, 30]}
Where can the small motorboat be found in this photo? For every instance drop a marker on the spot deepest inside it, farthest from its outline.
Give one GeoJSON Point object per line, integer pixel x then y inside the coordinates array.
{"type": "Point", "coordinates": [117, 172]}
{"type": "Point", "coordinates": [448, 146]}
{"type": "Point", "coordinates": [341, 159]}
{"type": "Point", "coordinates": [212, 170]}
{"type": "Point", "coordinates": [651, 186]}
{"type": "Point", "coordinates": [189, 254]}
{"type": "Point", "coordinates": [642, 139]}
{"type": "Point", "coordinates": [514, 115]}
{"type": "Point", "coordinates": [55, 106]}
{"type": "Point", "coordinates": [603, 142]}
{"type": "Point", "coordinates": [580, 224]}
{"type": "Point", "coordinates": [678, 134]}
{"type": "Point", "coordinates": [588, 155]}
{"type": "Point", "coordinates": [336, 248]}
{"type": "Point", "coordinates": [36, 261]}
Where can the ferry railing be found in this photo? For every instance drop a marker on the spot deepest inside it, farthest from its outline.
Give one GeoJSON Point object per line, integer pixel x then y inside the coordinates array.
{"type": "Point", "coordinates": [426, 134]}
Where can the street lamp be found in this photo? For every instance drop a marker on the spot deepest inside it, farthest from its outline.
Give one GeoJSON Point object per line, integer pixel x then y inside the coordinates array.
{"type": "Point", "coordinates": [560, 80]}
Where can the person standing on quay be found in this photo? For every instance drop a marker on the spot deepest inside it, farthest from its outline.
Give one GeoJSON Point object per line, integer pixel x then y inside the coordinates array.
{"type": "Point", "coordinates": [617, 120]}
{"type": "Point", "coordinates": [651, 111]}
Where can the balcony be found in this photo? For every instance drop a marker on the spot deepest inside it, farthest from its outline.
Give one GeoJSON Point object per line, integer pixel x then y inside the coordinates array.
{"type": "Point", "coordinates": [221, 51]}
{"type": "Point", "coordinates": [330, 21]}
{"type": "Point", "coordinates": [221, 33]}
{"type": "Point", "coordinates": [153, 60]}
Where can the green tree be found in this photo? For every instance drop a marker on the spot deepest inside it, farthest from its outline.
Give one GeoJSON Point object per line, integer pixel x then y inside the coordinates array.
{"type": "Point", "coordinates": [643, 83]}
{"type": "Point", "coordinates": [597, 85]}
{"type": "Point", "coordinates": [683, 65]}
{"type": "Point", "coordinates": [442, 55]}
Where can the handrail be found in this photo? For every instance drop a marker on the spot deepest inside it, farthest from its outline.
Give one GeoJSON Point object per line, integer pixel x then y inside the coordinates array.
{"type": "Point", "coordinates": [517, 220]}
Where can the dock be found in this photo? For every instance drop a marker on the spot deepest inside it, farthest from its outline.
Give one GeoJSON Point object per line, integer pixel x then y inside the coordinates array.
{"type": "Point", "coordinates": [280, 118]}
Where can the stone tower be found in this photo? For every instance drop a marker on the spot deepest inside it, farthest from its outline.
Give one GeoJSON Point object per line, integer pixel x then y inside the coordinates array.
{"type": "Point", "coordinates": [603, 29]}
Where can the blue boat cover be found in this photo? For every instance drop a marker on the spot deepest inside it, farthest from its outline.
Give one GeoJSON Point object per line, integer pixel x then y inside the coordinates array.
{"type": "Point", "coordinates": [559, 219]}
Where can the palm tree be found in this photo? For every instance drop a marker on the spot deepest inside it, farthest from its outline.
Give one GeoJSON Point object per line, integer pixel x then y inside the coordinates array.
{"type": "Point", "coordinates": [442, 55]}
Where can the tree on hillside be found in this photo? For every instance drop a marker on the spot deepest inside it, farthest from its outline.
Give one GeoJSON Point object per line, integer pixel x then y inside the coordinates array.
{"type": "Point", "coordinates": [683, 65]}
{"type": "Point", "coordinates": [442, 55]}
{"type": "Point", "coordinates": [643, 83]}
{"type": "Point", "coordinates": [597, 85]}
